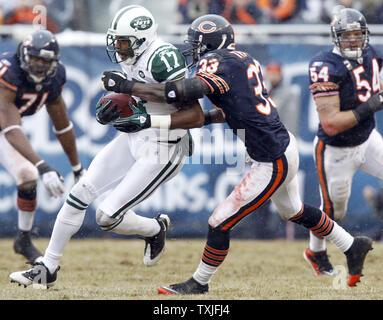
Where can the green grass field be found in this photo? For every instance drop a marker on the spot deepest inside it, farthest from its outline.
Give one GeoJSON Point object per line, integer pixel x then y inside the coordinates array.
{"type": "Point", "coordinates": [112, 269]}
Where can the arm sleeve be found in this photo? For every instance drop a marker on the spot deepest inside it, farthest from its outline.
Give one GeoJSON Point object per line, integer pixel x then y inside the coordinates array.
{"type": "Point", "coordinates": [213, 74]}
{"type": "Point", "coordinates": [324, 79]}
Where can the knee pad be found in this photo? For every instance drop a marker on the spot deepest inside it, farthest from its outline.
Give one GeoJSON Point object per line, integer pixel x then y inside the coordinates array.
{"type": "Point", "coordinates": [105, 222]}
{"type": "Point", "coordinates": [26, 198]}
{"type": "Point", "coordinates": [339, 194]}
{"type": "Point", "coordinates": [26, 173]}
{"type": "Point", "coordinates": [84, 191]}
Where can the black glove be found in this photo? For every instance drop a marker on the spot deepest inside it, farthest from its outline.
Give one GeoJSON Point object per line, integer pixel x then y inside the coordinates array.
{"type": "Point", "coordinates": [127, 127]}
{"type": "Point", "coordinates": [116, 81]}
{"type": "Point", "coordinates": [106, 113]}
{"type": "Point", "coordinates": [368, 108]}
{"type": "Point", "coordinates": [138, 121]}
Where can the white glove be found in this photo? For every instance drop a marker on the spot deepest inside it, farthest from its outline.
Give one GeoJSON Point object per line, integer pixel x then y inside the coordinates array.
{"type": "Point", "coordinates": [52, 180]}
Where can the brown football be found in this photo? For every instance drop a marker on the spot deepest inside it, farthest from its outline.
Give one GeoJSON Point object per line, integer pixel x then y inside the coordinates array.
{"type": "Point", "coordinates": [122, 101]}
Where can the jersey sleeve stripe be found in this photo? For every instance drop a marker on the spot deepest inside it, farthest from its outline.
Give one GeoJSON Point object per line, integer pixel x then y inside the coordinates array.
{"type": "Point", "coordinates": [8, 85]}
{"type": "Point", "coordinates": [208, 76]}
{"type": "Point", "coordinates": [324, 87]}
{"type": "Point", "coordinates": [177, 74]}
{"type": "Point", "coordinates": [221, 81]}
{"type": "Point", "coordinates": [208, 84]}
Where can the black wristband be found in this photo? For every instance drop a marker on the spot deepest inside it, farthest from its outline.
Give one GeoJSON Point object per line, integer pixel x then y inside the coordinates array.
{"type": "Point", "coordinates": [43, 167]}
{"type": "Point", "coordinates": [368, 108]}
{"type": "Point", "coordinates": [127, 87]}
{"type": "Point", "coordinates": [171, 92]}
{"type": "Point", "coordinates": [208, 117]}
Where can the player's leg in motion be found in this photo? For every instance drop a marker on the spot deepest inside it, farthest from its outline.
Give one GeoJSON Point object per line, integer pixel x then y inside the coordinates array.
{"type": "Point", "coordinates": [106, 171]}
{"type": "Point", "coordinates": [253, 191]}
{"type": "Point", "coordinates": [25, 174]}
{"type": "Point", "coordinates": [144, 177]}
{"type": "Point", "coordinates": [278, 181]}
{"type": "Point", "coordinates": [336, 168]}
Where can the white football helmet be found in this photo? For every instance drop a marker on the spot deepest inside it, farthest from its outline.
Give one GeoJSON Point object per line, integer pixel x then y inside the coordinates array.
{"type": "Point", "coordinates": [132, 30]}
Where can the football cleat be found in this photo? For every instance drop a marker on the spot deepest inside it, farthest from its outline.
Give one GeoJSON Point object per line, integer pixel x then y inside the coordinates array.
{"type": "Point", "coordinates": [319, 262]}
{"type": "Point", "coordinates": [39, 275]}
{"type": "Point", "coordinates": [23, 245]}
{"type": "Point", "coordinates": [155, 246]}
{"type": "Point", "coordinates": [355, 258]}
{"type": "Point", "coordinates": [190, 286]}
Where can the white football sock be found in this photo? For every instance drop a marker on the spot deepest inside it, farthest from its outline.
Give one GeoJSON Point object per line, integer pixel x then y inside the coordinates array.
{"type": "Point", "coordinates": [68, 222]}
{"type": "Point", "coordinates": [316, 244]}
{"type": "Point", "coordinates": [204, 273]}
{"type": "Point", "coordinates": [25, 220]}
{"type": "Point", "coordinates": [340, 238]}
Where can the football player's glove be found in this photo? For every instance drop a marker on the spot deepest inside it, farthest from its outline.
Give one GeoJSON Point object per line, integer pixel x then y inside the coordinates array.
{"type": "Point", "coordinates": [52, 180]}
{"type": "Point", "coordinates": [105, 113]}
{"type": "Point", "coordinates": [116, 81]}
{"type": "Point", "coordinates": [138, 121]}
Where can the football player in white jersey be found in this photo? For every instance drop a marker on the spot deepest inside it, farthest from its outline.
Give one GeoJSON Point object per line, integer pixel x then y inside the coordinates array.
{"type": "Point", "coordinates": [133, 165]}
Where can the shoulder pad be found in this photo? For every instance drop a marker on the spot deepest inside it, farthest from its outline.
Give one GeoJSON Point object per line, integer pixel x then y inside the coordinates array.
{"type": "Point", "coordinates": [167, 63]}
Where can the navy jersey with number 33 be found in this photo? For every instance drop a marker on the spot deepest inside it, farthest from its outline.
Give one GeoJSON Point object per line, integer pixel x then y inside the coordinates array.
{"type": "Point", "coordinates": [237, 88]}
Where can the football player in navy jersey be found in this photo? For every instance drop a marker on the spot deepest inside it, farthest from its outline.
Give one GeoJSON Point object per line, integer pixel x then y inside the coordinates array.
{"type": "Point", "coordinates": [346, 86]}
{"type": "Point", "coordinates": [233, 82]}
{"type": "Point", "coordinates": [29, 79]}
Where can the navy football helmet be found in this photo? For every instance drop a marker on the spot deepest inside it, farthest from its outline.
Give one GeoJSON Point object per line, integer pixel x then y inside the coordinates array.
{"type": "Point", "coordinates": [39, 55]}
{"type": "Point", "coordinates": [349, 20]}
{"type": "Point", "coordinates": [207, 33]}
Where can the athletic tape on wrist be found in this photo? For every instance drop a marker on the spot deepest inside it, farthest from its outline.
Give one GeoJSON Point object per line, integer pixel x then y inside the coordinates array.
{"type": "Point", "coordinates": [161, 122]}
{"type": "Point", "coordinates": [77, 167]}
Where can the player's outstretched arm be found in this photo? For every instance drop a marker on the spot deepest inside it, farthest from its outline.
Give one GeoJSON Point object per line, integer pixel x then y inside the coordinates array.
{"type": "Point", "coordinates": [116, 81]}
{"type": "Point", "coordinates": [181, 92]}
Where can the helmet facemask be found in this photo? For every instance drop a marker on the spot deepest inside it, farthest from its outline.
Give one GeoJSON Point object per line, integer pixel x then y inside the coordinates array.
{"type": "Point", "coordinates": [123, 48]}
{"type": "Point", "coordinates": [349, 32]}
{"type": "Point", "coordinates": [195, 51]}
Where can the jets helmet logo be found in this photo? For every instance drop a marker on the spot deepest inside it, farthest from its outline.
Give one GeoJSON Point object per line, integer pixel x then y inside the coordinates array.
{"type": "Point", "coordinates": [141, 23]}
{"type": "Point", "coordinates": [207, 27]}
